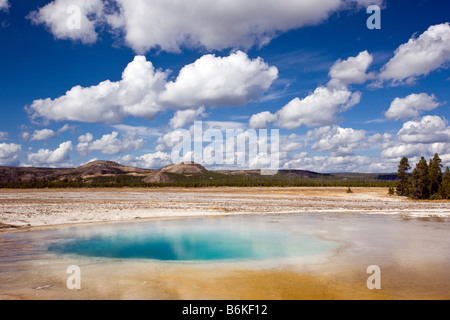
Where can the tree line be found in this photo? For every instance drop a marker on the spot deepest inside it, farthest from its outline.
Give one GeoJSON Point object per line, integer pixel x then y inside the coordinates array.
{"type": "Point", "coordinates": [191, 184]}
{"type": "Point", "coordinates": [427, 181]}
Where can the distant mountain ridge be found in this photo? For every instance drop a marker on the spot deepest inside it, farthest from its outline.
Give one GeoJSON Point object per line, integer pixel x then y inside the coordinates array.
{"type": "Point", "coordinates": [92, 169]}
{"type": "Point", "coordinates": [110, 172]}
{"type": "Point", "coordinates": [97, 169]}
{"type": "Point", "coordinates": [184, 168]}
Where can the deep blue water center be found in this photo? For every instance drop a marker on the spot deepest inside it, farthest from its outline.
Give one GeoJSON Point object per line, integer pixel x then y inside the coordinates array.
{"type": "Point", "coordinates": [192, 240]}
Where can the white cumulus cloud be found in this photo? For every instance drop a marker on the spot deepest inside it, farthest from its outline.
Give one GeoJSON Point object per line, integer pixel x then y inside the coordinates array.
{"type": "Point", "coordinates": [423, 137]}
{"type": "Point", "coordinates": [353, 70]}
{"type": "Point", "coordinates": [108, 144]}
{"type": "Point", "coordinates": [330, 164]}
{"type": "Point", "coordinates": [107, 102]}
{"type": "Point", "coordinates": [291, 143]}
{"type": "Point", "coordinates": [411, 106]}
{"type": "Point", "coordinates": [4, 5]}
{"type": "Point", "coordinates": [155, 160]}
{"type": "Point", "coordinates": [261, 120]}
{"type": "Point", "coordinates": [185, 117]}
{"type": "Point", "coordinates": [51, 158]}
{"type": "Point", "coordinates": [405, 150]}
{"type": "Point", "coordinates": [70, 19]}
{"type": "Point", "coordinates": [9, 154]}
{"type": "Point", "coordinates": [321, 107]}
{"type": "Point", "coordinates": [171, 25]}
{"type": "Point", "coordinates": [339, 141]}
{"type": "Point", "coordinates": [429, 129]}
{"type": "Point", "coordinates": [42, 135]}
{"type": "Point", "coordinates": [419, 56]}
{"type": "Point", "coordinates": [219, 81]}
{"type": "Point", "coordinates": [317, 109]}
{"type": "Point", "coordinates": [143, 91]}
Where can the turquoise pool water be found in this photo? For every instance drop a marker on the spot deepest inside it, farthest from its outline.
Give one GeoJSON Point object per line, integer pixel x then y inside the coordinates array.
{"type": "Point", "coordinates": [193, 240]}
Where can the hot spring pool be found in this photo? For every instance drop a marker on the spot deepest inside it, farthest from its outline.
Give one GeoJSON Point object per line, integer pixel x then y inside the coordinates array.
{"type": "Point", "coordinates": [224, 239]}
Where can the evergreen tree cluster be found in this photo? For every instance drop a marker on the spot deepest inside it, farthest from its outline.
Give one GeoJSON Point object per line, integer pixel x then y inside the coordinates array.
{"type": "Point", "coordinates": [427, 180]}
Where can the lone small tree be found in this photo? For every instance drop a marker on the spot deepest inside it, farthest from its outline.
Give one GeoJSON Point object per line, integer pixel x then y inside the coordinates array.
{"type": "Point", "coordinates": [391, 191]}
{"type": "Point", "coordinates": [420, 182]}
{"type": "Point", "coordinates": [403, 185]}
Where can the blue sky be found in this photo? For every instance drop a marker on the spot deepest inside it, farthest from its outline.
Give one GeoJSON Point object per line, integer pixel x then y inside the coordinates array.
{"type": "Point", "coordinates": [114, 79]}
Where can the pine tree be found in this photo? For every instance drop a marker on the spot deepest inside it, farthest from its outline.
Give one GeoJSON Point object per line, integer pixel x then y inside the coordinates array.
{"type": "Point", "coordinates": [420, 182]}
{"type": "Point", "coordinates": [404, 183]}
{"type": "Point", "coordinates": [435, 174]}
{"type": "Point", "coordinates": [445, 185]}
{"type": "Point", "coordinates": [391, 191]}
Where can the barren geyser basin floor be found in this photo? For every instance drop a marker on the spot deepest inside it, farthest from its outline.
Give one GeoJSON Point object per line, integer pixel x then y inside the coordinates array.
{"type": "Point", "coordinates": [222, 243]}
